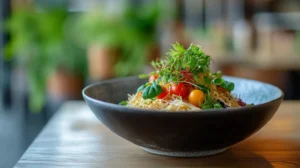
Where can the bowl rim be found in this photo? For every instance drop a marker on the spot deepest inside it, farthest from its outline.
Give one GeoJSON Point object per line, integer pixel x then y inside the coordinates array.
{"type": "Point", "coordinates": [208, 111]}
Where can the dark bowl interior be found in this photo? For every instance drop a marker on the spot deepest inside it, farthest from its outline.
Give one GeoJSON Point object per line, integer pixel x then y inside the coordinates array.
{"type": "Point", "coordinates": [183, 131]}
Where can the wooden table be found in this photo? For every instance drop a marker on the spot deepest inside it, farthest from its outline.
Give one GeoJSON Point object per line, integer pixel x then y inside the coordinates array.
{"type": "Point", "coordinates": [75, 138]}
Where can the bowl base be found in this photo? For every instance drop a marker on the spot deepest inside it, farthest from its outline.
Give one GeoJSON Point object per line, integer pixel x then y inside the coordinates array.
{"type": "Point", "coordinates": [185, 154]}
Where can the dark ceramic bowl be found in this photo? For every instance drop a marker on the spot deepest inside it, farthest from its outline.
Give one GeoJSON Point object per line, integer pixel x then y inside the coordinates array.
{"type": "Point", "coordinates": [184, 134]}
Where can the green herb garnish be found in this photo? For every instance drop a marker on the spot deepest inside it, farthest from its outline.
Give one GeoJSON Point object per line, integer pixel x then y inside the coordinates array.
{"type": "Point", "coordinates": [152, 91]}
{"type": "Point", "coordinates": [141, 88]}
{"type": "Point", "coordinates": [203, 88]}
{"type": "Point", "coordinates": [180, 63]}
{"type": "Point", "coordinates": [229, 86]}
{"type": "Point", "coordinates": [191, 67]}
{"type": "Point", "coordinates": [217, 105]}
{"type": "Point", "coordinates": [123, 103]}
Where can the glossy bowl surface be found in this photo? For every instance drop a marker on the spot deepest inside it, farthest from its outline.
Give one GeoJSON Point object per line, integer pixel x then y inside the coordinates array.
{"type": "Point", "coordinates": [183, 134]}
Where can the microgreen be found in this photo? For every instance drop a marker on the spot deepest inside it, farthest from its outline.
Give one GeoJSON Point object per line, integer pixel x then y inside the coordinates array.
{"type": "Point", "coordinates": [180, 61]}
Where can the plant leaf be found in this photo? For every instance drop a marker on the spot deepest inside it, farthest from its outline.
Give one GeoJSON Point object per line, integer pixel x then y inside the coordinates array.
{"type": "Point", "coordinates": [203, 88]}
{"type": "Point", "coordinates": [152, 91]}
{"type": "Point", "coordinates": [218, 81]}
{"type": "Point", "coordinates": [123, 103]}
{"type": "Point", "coordinates": [229, 86]}
{"type": "Point", "coordinates": [141, 88]}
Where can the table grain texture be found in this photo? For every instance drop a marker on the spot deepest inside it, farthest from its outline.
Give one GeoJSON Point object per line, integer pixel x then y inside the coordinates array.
{"type": "Point", "coordinates": [74, 137]}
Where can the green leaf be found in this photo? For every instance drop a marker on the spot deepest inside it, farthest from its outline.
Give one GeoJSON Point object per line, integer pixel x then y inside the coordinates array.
{"type": "Point", "coordinates": [143, 76]}
{"type": "Point", "coordinates": [123, 103]}
{"type": "Point", "coordinates": [218, 81]}
{"type": "Point", "coordinates": [207, 80]}
{"type": "Point", "coordinates": [210, 103]}
{"type": "Point", "coordinates": [152, 91]}
{"type": "Point", "coordinates": [217, 105]}
{"type": "Point", "coordinates": [203, 88]}
{"type": "Point", "coordinates": [229, 86]}
{"type": "Point", "coordinates": [141, 88]}
{"type": "Point", "coordinates": [205, 106]}
{"type": "Point", "coordinates": [218, 74]}
{"type": "Point", "coordinates": [178, 47]}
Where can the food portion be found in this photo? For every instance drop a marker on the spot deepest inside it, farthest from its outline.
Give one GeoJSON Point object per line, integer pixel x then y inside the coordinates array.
{"type": "Point", "coordinates": [183, 81]}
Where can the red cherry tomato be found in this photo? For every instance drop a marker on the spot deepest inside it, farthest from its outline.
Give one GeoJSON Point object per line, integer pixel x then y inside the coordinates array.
{"type": "Point", "coordinates": [163, 94]}
{"type": "Point", "coordinates": [153, 77]}
{"type": "Point", "coordinates": [188, 87]}
{"type": "Point", "coordinates": [180, 90]}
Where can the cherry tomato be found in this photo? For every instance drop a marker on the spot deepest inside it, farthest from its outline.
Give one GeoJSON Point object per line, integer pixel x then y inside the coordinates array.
{"type": "Point", "coordinates": [153, 77]}
{"type": "Point", "coordinates": [188, 87]}
{"type": "Point", "coordinates": [196, 97]}
{"type": "Point", "coordinates": [179, 89]}
{"type": "Point", "coordinates": [163, 94]}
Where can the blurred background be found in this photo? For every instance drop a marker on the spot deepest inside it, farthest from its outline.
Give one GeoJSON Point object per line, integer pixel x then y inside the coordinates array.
{"type": "Point", "coordinates": [51, 49]}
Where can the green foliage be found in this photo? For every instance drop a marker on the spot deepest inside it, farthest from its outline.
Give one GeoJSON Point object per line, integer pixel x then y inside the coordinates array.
{"type": "Point", "coordinates": [141, 88]}
{"type": "Point", "coordinates": [191, 66]}
{"type": "Point", "coordinates": [210, 103]}
{"type": "Point", "coordinates": [229, 86]}
{"type": "Point", "coordinates": [152, 91]}
{"type": "Point", "coordinates": [180, 62]}
{"type": "Point", "coordinates": [132, 31]}
{"type": "Point", "coordinates": [203, 88]}
{"type": "Point", "coordinates": [123, 103]}
{"type": "Point", "coordinates": [192, 60]}
{"type": "Point", "coordinates": [40, 42]}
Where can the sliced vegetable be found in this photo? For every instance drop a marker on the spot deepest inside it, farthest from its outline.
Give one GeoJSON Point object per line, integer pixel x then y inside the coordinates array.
{"type": "Point", "coordinates": [196, 97]}
{"type": "Point", "coordinates": [152, 91]}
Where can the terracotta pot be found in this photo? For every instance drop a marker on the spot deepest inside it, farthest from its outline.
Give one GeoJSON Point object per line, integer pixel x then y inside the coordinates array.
{"type": "Point", "coordinates": [101, 62]}
{"type": "Point", "coordinates": [64, 84]}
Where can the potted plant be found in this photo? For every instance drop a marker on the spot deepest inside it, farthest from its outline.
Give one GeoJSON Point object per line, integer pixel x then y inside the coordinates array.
{"type": "Point", "coordinates": [144, 19]}
{"type": "Point", "coordinates": [117, 43]}
{"type": "Point", "coordinates": [101, 35]}
{"type": "Point", "coordinates": [50, 58]}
